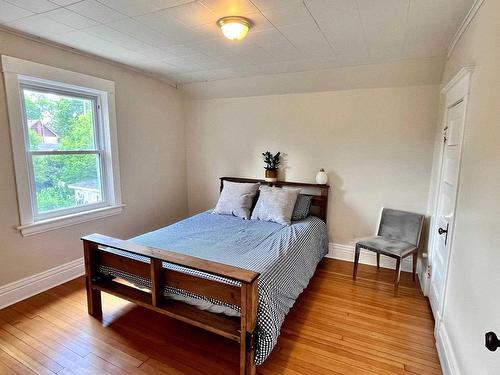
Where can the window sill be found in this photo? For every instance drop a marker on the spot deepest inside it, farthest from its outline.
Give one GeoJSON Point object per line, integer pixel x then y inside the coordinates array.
{"type": "Point", "coordinates": [65, 221]}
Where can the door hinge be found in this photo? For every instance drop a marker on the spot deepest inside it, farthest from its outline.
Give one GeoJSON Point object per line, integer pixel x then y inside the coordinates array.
{"type": "Point", "coordinates": [445, 134]}
{"type": "Point", "coordinates": [251, 338]}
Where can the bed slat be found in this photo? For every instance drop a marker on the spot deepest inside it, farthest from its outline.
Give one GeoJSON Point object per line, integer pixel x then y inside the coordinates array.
{"type": "Point", "coordinates": [119, 262]}
{"type": "Point", "coordinates": [203, 287]}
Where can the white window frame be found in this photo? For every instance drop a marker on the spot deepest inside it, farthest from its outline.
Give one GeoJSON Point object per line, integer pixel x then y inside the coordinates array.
{"type": "Point", "coordinates": [21, 73]}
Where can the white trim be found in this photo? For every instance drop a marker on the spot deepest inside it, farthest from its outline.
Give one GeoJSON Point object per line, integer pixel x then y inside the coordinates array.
{"type": "Point", "coordinates": [455, 90]}
{"type": "Point", "coordinates": [458, 86]}
{"type": "Point", "coordinates": [346, 252]}
{"type": "Point", "coordinates": [49, 73]}
{"type": "Point", "coordinates": [465, 24]}
{"type": "Point", "coordinates": [68, 220]}
{"type": "Point", "coordinates": [424, 275]}
{"type": "Point", "coordinates": [17, 71]}
{"type": "Point", "coordinates": [446, 354]}
{"type": "Point", "coordinates": [29, 286]}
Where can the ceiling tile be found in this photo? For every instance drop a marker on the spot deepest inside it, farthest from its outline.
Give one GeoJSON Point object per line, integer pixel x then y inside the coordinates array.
{"type": "Point", "coordinates": [174, 30]}
{"type": "Point", "coordinates": [384, 24]}
{"type": "Point", "coordinates": [274, 4]}
{"type": "Point", "coordinates": [9, 12]}
{"type": "Point", "coordinates": [35, 6]}
{"type": "Point", "coordinates": [79, 39]}
{"type": "Point", "coordinates": [224, 8]}
{"type": "Point", "coordinates": [180, 50]}
{"type": "Point", "coordinates": [213, 47]}
{"type": "Point", "coordinates": [70, 18]}
{"type": "Point", "coordinates": [307, 64]}
{"type": "Point", "coordinates": [259, 22]}
{"type": "Point", "coordinates": [266, 37]}
{"type": "Point", "coordinates": [111, 35]}
{"type": "Point", "coordinates": [288, 16]}
{"type": "Point", "coordinates": [431, 25]}
{"type": "Point", "coordinates": [65, 2]}
{"type": "Point", "coordinates": [96, 11]}
{"type": "Point", "coordinates": [138, 31]}
{"type": "Point", "coordinates": [340, 23]}
{"type": "Point", "coordinates": [40, 25]}
{"type": "Point", "coordinates": [192, 14]}
{"type": "Point", "coordinates": [138, 7]}
{"type": "Point", "coordinates": [284, 52]}
{"type": "Point", "coordinates": [156, 53]}
{"type": "Point", "coordinates": [206, 31]}
{"type": "Point", "coordinates": [302, 34]}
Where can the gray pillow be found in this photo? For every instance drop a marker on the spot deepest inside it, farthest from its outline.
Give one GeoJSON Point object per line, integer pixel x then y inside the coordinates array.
{"type": "Point", "coordinates": [275, 204]}
{"type": "Point", "coordinates": [302, 207]}
{"type": "Point", "coordinates": [236, 199]}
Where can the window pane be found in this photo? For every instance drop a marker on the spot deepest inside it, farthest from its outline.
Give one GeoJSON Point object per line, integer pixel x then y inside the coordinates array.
{"type": "Point", "coordinates": [65, 181]}
{"type": "Point", "coordinates": [58, 122]}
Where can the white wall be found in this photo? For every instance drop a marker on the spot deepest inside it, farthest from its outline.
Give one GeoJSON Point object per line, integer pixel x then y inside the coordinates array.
{"type": "Point", "coordinates": [152, 162]}
{"type": "Point", "coordinates": [472, 304]}
{"type": "Point", "coordinates": [376, 145]}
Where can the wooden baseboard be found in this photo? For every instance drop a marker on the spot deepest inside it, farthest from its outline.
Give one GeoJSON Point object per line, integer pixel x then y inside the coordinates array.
{"type": "Point", "coordinates": [29, 286]}
{"type": "Point", "coordinates": [346, 252]}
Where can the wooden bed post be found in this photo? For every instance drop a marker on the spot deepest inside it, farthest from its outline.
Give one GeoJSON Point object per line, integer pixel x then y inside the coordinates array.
{"type": "Point", "coordinates": [156, 282]}
{"type": "Point", "coordinates": [249, 302]}
{"type": "Point", "coordinates": [93, 295]}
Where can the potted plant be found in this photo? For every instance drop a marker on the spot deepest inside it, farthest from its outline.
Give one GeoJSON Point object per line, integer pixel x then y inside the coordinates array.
{"type": "Point", "coordinates": [272, 164]}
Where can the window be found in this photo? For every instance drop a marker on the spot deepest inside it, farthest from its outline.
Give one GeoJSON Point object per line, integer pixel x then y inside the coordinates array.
{"type": "Point", "coordinates": [64, 142]}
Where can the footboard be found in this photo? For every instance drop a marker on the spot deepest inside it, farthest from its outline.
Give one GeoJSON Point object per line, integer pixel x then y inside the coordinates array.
{"type": "Point", "coordinates": [99, 251]}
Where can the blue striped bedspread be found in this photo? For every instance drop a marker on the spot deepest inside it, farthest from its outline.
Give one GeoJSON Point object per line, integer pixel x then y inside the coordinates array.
{"type": "Point", "coordinates": [285, 256]}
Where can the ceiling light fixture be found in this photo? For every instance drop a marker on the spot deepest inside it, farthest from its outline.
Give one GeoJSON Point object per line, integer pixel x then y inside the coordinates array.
{"type": "Point", "coordinates": [234, 28]}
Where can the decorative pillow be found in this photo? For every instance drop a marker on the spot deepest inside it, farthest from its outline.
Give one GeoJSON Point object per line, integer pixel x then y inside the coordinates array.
{"type": "Point", "coordinates": [275, 204]}
{"type": "Point", "coordinates": [302, 207]}
{"type": "Point", "coordinates": [236, 199]}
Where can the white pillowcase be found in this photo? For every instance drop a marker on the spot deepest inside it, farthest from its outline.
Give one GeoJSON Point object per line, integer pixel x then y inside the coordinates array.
{"type": "Point", "coordinates": [275, 204]}
{"type": "Point", "coordinates": [236, 199]}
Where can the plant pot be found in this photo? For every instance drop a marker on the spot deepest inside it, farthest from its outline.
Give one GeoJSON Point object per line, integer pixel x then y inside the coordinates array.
{"type": "Point", "coordinates": [271, 176]}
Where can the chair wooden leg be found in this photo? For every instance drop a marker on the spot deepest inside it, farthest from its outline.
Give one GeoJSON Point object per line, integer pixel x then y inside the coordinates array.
{"type": "Point", "coordinates": [398, 275]}
{"type": "Point", "coordinates": [356, 261]}
{"type": "Point", "coordinates": [415, 257]}
{"type": "Point", "coordinates": [378, 260]}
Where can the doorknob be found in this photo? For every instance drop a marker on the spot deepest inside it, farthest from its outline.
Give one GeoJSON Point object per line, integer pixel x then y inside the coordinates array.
{"type": "Point", "coordinates": [442, 231]}
{"type": "Point", "coordinates": [491, 341]}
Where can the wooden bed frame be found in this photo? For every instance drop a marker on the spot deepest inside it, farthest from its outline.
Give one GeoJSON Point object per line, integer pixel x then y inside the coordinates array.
{"type": "Point", "coordinates": [99, 251]}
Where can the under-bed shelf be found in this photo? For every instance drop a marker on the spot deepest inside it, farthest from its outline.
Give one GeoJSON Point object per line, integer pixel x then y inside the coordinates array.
{"type": "Point", "coordinates": [226, 326]}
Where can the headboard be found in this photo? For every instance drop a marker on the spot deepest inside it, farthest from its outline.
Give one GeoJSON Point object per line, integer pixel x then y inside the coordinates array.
{"type": "Point", "coordinates": [319, 203]}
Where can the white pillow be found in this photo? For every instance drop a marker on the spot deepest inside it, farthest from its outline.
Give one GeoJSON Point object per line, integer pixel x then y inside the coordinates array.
{"type": "Point", "coordinates": [275, 204]}
{"type": "Point", "coordinates": [236, 199]}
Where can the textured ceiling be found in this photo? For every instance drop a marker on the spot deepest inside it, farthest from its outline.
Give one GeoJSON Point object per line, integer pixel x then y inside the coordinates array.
{"type": "Point", "coordinates": [179, 39]}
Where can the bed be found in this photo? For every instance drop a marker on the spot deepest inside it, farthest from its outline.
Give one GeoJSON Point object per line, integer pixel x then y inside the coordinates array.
{"type": "Point", "coordinates": [237, 278]}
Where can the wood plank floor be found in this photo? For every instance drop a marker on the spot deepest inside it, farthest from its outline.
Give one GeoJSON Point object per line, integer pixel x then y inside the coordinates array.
{"type": "Point", "coordinates": [337, 326]}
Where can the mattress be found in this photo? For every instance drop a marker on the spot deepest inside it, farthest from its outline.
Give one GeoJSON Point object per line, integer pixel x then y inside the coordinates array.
{"type": "Point", "coordinates": [285, 256]}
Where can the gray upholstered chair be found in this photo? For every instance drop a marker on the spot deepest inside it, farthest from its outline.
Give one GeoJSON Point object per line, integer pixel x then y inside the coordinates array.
{"type": "Point", "coordinates": [398, 236]}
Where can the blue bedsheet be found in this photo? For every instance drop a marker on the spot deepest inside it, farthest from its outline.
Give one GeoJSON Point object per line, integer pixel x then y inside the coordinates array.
{"type": "Point", "coordinates": [285, 256]}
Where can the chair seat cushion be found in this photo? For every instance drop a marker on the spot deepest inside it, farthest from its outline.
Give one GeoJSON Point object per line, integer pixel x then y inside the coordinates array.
{"type": "Point", "coordinates": [386, 245]}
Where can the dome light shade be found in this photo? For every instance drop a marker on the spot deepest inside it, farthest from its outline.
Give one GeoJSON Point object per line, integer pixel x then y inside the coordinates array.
{"type": "Point", "coordinates": [234, 28]}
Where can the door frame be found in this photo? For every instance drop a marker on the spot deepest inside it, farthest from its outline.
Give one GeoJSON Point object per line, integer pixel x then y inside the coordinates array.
{"type": "Point", "coordinates": [455, 91]}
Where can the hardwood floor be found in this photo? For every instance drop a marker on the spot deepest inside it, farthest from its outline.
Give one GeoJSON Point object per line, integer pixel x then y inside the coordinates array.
{"type": "Point", "coordinates": [337, 326]}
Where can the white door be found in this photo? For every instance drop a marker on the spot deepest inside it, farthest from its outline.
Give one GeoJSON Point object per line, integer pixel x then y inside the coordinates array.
{"type": "Point", "coordinates": [445, 211]}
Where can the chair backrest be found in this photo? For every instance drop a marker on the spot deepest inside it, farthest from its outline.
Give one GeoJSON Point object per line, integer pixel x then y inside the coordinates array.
{"type": "Point", "coordinates": [401, 225]}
